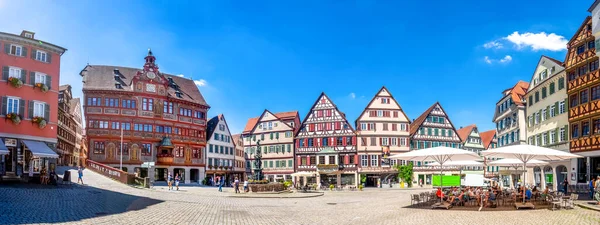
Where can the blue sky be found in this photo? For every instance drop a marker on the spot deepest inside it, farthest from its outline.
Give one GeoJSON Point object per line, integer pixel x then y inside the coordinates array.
{"type": "Point", "coordinates": [249, 55]}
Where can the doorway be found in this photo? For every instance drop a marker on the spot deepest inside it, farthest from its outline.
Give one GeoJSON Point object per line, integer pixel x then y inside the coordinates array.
{"type": "Point", "coordinates": [9, 160]}
{"type": "Point", "coordinates": [194, 175]}
{"type": "Point", "coordinates": [181, 173]}
{"type": "Point", "coordinates": [160, 174]}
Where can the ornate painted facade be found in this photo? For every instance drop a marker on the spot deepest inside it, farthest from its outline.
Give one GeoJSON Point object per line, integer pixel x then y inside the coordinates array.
{"type": "Point", "coordinates": [162, 119]}
{"type": "Point", "coordinates": [273, 133]}
{"type": "Point", "coordinates": [382, 130]}
{"type": "Point", "coordinates": [326, 145]}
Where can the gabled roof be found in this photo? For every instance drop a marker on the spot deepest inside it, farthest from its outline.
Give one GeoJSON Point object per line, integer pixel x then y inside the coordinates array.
{"type": "Point", "coordinates": [487, 138]}
{"type": "Point", "coordinates": [463, 133]}
{"type": "Point", "coordinates": [236, 138]}
{"type": "Point", "coordinates": [211, 125]}
{"type": "Point", "coordinates": [334, 106]}
{"type": "Point", "coordinates": [593, 5]}
{"type": "Point", "coordinates": [554, 60]}
{"type": "Point", "coordinates": [534, 75]}
{"type": "Point", "coordinates": [251, 124]}
{"type": "Point", "coordinates": [373, 99]}
{"type": "Point", "coordinates": [64, 87]}
{"type": "Point", "coordinates": [517, 92]}
{"type": "Point", "coordinates": [414, 126]}
{"type": "Point", "coordinates": [101, 77]}
{"type": "Point", "coordinates": [574, 37]}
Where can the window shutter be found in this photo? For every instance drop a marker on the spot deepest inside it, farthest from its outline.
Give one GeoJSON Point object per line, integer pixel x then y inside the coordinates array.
{"type": "Point", "coordinates": [49, 57]}
{"type": "Point", "coordinates": [380, 141]}
{"type": "Point", "coordinates": [567, 135]}
{"type": "Point", "coordinates": [5, 73]}
{"type": "Point", "coordinates": [49, 82]}
{"type": "Point", "coordinates": [32, 78]}
{"type": "Point", "coordinates": [566, 105]}
{"type": "Point", "coordinates": [47, 112]}
{"type": "Point", "coordinates": [597, 45]}
{"type": "Point", "coordinates": [7, 48]}
{"type": "Point", "coordinates": [24, 52]}
{"type": "Point", "coordinates": [23, 75]}
{"type": "Point", "coordinates": [4, 103]}
{"type": "Point", "coordinates": [556, 109]}
{"type": "Point", "coordinates": [33, 53]}
{"type": "Point", "coordinates": [547, 112]}
{"type": "Point", "coordinates": [556, 133]}
{"type": "Point", "coordinates": [30, 110]}
{"type": "Point", "coordinates": [22, 107]}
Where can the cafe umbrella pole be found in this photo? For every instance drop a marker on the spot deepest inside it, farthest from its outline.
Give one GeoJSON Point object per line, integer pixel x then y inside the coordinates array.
{"type": "Point", "coordinates": [121, 161]}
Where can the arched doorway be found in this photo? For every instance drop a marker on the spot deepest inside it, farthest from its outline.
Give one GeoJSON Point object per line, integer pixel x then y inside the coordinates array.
{"type": "Point", "coordinates": [561, 174]}
{"type": "Point", "coordinates": [537, 176]}
{"type": "Point", "coordinates": [548, 177]}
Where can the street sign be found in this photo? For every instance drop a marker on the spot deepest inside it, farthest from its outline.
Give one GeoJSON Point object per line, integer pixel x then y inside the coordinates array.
{"type": "Point", "coordinates": [147, 164]}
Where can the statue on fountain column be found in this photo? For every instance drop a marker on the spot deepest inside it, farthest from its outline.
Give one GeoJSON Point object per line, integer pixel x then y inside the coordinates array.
{"type": "Point", "coordinates": [258, 163]}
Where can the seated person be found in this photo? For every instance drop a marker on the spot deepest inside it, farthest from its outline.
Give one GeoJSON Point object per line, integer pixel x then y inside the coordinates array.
{"type": "Point", "coordinates": [43, 176]}
{"type": "Point", "coordinates": [440, 194]}
{"type": "Point", "coordinates": [456, 198]}
{"type": "Point", "coordinates": [528, 194]}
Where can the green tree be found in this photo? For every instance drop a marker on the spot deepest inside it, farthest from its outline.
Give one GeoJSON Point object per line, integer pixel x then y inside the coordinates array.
{"type": "Point", "coordinates": [405, 173]}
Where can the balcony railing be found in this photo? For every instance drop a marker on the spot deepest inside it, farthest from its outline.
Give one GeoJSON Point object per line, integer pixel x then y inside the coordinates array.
{"type": "Point", "coordinates": [165, 159]}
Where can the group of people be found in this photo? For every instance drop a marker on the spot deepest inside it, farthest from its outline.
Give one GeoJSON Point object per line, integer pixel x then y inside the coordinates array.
{"type": "Point", "coordinates": [236, 185]}
{"type": "Point", "coordinates": [595, 189]}
{"type": "Point", "coordinates": [458, 196]}
{"type": "Point", "coordinates": [52, 178]}
{"type": "Point", "coordinates": [170, 180]}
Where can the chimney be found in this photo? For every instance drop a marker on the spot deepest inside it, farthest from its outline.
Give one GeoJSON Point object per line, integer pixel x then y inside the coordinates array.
{"type": "Point", "coordinates": [460, 127]}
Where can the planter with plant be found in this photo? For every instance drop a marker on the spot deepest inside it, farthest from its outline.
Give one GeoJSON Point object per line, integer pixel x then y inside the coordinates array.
{"type": "Point", "coordinates": [363, 179]}
{"type": "Point", "coordinates": [15, 118]}
{"type": "Point", "coordinates": [360, 187]}
{"type": "Point", "coordinates": [40, 121]}
{"type": "Point", "coordinates": [15, 82]}
{"type": "Point", "coordinates": [43, 87]}
{"type": "Point", "coordinates": [331, 187]}
{"type": "Point", "coordinates": [405, 173]}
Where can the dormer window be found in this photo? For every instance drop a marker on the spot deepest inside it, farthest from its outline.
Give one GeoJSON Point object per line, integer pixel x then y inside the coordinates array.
{"type": "Point", "coordinates": [118, 85]}
{"type": "Point", "coordinates": [27, 34]}
{"type": "Point", "coordinates": [178, 94]}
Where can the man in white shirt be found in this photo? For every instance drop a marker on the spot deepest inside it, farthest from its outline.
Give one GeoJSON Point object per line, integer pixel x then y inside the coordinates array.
{"type": "Point", "coordinates": [245, 185]}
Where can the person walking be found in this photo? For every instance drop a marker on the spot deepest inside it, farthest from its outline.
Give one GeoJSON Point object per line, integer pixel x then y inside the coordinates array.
{"type": "Point", "coordinates": [236, 183]}
{"type": "Point", "coordinates": [170, 181]}
{"type": "Point", "coordinates": [245, 185]}
{"type": "Point", "coordinates": [79, 175]}
{"type": "Point", "coordinates": [221, 184]}
{"type": "Point", "coordinates": [565, 186]}
{"type": "Point", "coordinates": [177, 178]}
{"type": "Point", "coordinates": [592, 185]}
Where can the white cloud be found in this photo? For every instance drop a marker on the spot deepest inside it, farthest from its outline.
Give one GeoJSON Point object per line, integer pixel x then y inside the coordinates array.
{"type": "Point", "coordinates": [506, 59]}
{"type": "Point", "coordinates": [180, 75]}
{"type": "Point", "coordinates": [200, 83]}
{"type": "Point", "coordinates": [539, 41]}
{"type": "Point", "coordinates": [493, 44]}
{"type": "Point", "coordinates": [487, 60]}
{"type": "Point", "coordinates": [352, 95]}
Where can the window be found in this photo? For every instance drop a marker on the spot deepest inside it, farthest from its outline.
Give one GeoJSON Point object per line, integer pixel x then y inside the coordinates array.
{"type": "Point", "coordinates": [98, 147]}
{"type": "Point", "coordinates": [575, 131]}
{"type": "Point", "coordinates": [14, 72]}
{"type": "Point", "coordinates": [530, 100]}
{"type": "Point", "coordinates": [94, 101]}
{"type": "Point", "coordinates": [130, 104]}
{"type": "Point", "coordinates": [552, 137]}
{"type": "Point", "coordinates": [591, 45]}
{"type": "Point", "coordinates": [573, 100]}
{"type": "Point", "coordinates": [185, 112]}
{"type": "Point", "coordinates": [544, 139]}
{"type": "Point", "coordinates": [585, 128]}
{"type": "Point", "coordinates": [125, 149]}
{"type": "Point", "coordinates": [114, 125]}
{"type": "Point", "coordinates": [537, 117]}
{"type": "Point", "coordinates": [168, 107]}
{"type": "Point", "coordinates": [552, 88]}
{"type": "Point", "coordinates": [596, 126]}
{"type": "Point", "coordinates": [126, 126]}
{"type": "Point", "coordinates": [584, 96]}
{"type": "Point", "coordinates": [147, 104]}
{"type": "Point", "coordinates": [379, 113]}
{"type": "Point", "coordinates": [178, 152]}
{"type": "Point", "coordinates": [41, 56]}
{"type": "Point", "coordinates": [40, 78]}
{"type": "Point", "coordinates": [580, 49]}
{"type": "Point", "coordinates": [537, 97]}
{"type": "Point", "coordinates": [12, 106]}
{"type": "Point", "coordinates": [374, 160]}
{"type": "Point", "coordinates": [561, 83]}
{"type": "Point", "coordinates": [552, 110]}
{"type": "Point", "coordinates": [544, 92]}
{"type": "Point", "coordinates": [544, 114]}
{"type": "Point", "coordinates": [594, 66]}
{"type": "Point", "coordinates": [111, 102]}
{"type": "Point", "coordinates": [385, 126]}
{"type": "Point", "coordinates": [530, 120]}
{"type": "Point", "coordinates": [561, 107]}
{"type": "Point", "coordinates": [146, 149]}
{"type": "Point", "coordinates": [339, 141]}
{"type": "Point", "coordinates": [196, 153]}
{"type": "Point", "coordinates": [17, 50]}
{"type": "Point", "coordinates": [199, 115]}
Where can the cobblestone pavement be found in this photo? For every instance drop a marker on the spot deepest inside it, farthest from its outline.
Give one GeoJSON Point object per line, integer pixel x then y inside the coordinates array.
{"type": "Point", "coordinates": [103, 201]}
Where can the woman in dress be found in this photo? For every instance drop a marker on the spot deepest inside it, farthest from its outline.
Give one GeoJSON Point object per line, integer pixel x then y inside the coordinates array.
{"type": "Point", "coordinates": [177, 178]}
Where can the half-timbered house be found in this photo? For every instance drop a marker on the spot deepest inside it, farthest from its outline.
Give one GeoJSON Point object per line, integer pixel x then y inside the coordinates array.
{"type": "Point", "coordinates": [382, 130]}
{"type": "Point", "coordinates": [326, 145]}
{"type": "Point", "coordinates": [432, 129]}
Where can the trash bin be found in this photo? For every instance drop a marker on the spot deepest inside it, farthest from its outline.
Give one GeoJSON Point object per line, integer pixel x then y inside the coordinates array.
{"type": "Point", "coordinates": [67, 176]}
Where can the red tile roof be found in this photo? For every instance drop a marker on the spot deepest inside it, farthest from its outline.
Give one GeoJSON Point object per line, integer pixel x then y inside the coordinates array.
{"type": "Point", "coordinates": [414, 126]}
{"type": "Point", "coordinates": [517, 92]}
{"type": "Point", "coordinates": [282, 115]}
{"type": "Point", "coordinates": [463, 133]}
{"type": "Point", "coordinates": [487, 137]}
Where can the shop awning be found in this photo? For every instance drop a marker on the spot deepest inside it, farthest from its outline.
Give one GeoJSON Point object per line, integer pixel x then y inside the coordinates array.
{"type": "Point", "coordinates": [40, 149]}
{"type": "Point", "coordinates": [3, 149]}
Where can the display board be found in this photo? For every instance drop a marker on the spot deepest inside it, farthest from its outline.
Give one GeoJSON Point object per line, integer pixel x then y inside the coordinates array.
{"type": "Point", "coordinates": [448, 180]}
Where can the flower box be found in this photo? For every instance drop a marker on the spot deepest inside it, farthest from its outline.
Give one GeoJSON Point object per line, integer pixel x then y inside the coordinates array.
{"type": "Point", "coordinates": [43, 87]}
{"type": "Point", "coordinates": [40, 121]}
{"type": "Point", "coordinates": [15, 118]}
{"type": "Point", "coordinates": [15, 82]}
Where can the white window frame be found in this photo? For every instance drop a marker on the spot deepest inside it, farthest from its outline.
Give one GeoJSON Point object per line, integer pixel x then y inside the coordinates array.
{"type": "Point", "coordinates": [41, 56]}
{"type": "Point", "coordinates": [364, 160]}
{"type": "Point", "coordinates": [402, 141]}
{"type": "Point", "coordinates": [552, 133]}
{"type": "Point", "coordinates": [552, 108]}
{"type": "Point", "coordinates": [394, 141]}
{"type": "Point", "coordinates": [530, 141]}
{"type": "Point", "coordinates": [18, 48]}
{"type": "Point", "coordinates": [562, 135]}
{"type": "Point", "coordinates": [543, 114]}
{"type": "Point", "coordinates": [14, 72]}
{"type": "Point", "coordinates": [38, 109]}
{"type": "Point", "coordinates": [544, 139]}
{"type": "Point", "coordinates": [374, 161]}
{"type": "Point", "coordinates": [379, 113]}
{"type": "Point", "coordinates": [28, 35]}
{"type": "Point", "coordinates": [384, 141]}
{"type": "Point", "coordinates": [363, 126]}
{"type": "Point", "coordinates": [530, 120]}
{"type": "Point", "coordinates": [40, 77]}
{"type": "Point", "coordinates": [537, 117]}
{"type": "Point", "coordinates": [15, 103]}
{"type": "Point", "coordinates": [561, 107]}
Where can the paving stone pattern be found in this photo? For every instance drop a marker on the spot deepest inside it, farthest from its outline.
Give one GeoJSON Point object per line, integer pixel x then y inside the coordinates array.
{"type": "Point", "coordinates": [103, 201]}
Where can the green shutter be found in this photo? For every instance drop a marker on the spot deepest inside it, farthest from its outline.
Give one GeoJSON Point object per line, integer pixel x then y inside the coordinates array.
{"type": "Point", "coordinates": [556, 134]}
{"type": "Point", "coordinates": [32, 78]}
{"type": "Point", "coordinates": [33, 53]}
{"type": "Point", "coordinates": [49, 82]}
{"type": "Point", "coordinates": [23, 76]}
{"type": "Point", "coordinates": [556, 109]}
{"type": "Point", "coordinates": [30, 110]}
{"type": "Point", "coordinates": [5, 73]}
{"type": "Point", "coordinates": [567, 135]}
{"type": "Point", "coordinates": [22, 108]}
{"type": "Point", "coordinates": [567, 105]}
{"type": "Point", "coordinates": [4, 103]}
{"type": "Point", "coordinates": [290, 163]}
{"type": "Point", "coordinates": [547, 112]}
{"type": "Point", "coordinates": [49, 57]}
{"type": "Point", "coordinates": [277, 135]}
{"type": "Point", "coordinates": [271, 135]}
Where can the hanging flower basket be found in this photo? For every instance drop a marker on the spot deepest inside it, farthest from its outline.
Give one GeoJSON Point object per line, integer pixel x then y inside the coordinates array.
{"type": "Point", "coordinates": [15, 82]}
{"type": "Point", "coordinates": [43, 87]}
{"type": "Point", "coordinates": [41, 122]}
{"type": "Point", "coordinates": [15, 118]}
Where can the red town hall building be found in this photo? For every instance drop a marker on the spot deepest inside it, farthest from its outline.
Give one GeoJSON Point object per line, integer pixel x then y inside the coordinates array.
{"type": "Point", "coordinates": [162, 119]}
{"type": "Point", "coordinates": [29, 110]}
{"type": "Point", "coordinates": [326, 146]}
